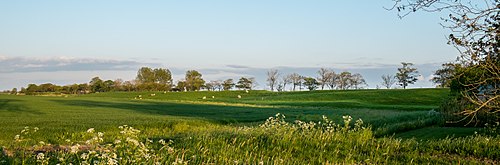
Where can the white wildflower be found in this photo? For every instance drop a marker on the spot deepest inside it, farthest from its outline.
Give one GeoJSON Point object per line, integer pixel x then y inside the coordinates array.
{"type": "Point", "coordinates": [40, 156]}
{"type": "Point", "coordinates": [75, 148]}
{"type": "Point", "coordinates": [84, 156]}
{"type": "Point", "coordinates": [90, 130]}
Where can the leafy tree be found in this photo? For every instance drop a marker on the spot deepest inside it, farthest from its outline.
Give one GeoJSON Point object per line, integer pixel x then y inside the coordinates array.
{"type": "Point", "coordinates": [228, 84]}
{"type": "Point", "coordinates": [23, 90]}
{"type": "Point", "coordinates": [311, 83]}
{"type": "Point", "coordinates": [272, 78]}
{"type": "Point", "coordinates": [145, 75]}
{"type": "Point", "coordinates": [108, 85]}
{"type": "Point", "coordinates": [194, 80]}
{"type": "Point", "coordinates": [444, 76]}
{"type": "Point", "coordinates": [406, 74]}
{"type": "Point", "coordinates": [83, 88]}
{"type": "Point", "coordinates": [388, 81]}
{"type": "Point", "coordinates": [96, 85]}
{"type": "Point", "coordinates": [13, 91]}
{"type": "Point", "coordinates": [162, 76]}
{"type": "Point", "coordinates": [31, 89]}
{"type": "Point", "coordinates": [181, 86]}
{"type": "Point", "coordinates": [245, 83]}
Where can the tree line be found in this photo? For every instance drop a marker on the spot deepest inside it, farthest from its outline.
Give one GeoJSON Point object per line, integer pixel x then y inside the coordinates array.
{"type": "Point", "coordinates": [160, 79]}
{"type": "Point", "coordinates": [326, 78]}
{"type": "Point", "coordinates": [147, 79]}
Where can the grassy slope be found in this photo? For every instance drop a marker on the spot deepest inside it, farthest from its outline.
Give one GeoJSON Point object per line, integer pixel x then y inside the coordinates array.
{"type": "Point", "coordinates": [411, 99]}
{"type": "Point", "coordinates": [194, 124]}
{"type": "Point", "coordinates": [381, 108]}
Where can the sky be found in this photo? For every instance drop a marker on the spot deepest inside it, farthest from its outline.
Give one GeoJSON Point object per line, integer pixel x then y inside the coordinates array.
{"type": "Point", "coordinates": [66, 42]}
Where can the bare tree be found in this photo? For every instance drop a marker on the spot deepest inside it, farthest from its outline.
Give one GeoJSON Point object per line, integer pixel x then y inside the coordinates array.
{"type": "Point", "coordinates": [214, 85]}
{"type": "Point", "coordinates": [388, 81]}
{"type": "Point", "coordinates": [344, 80]}
{"type": "Point", "coordinates": [357, 80]}
{"type": "Point", "coordinates": [272, 78]}
{"type": "Point", "coordinates": [287, 79]}
{"type": "Point", "coordinates": [324, 76]}
{"type": "Point", "coordinates": [332, 82]}
{"type": "Point", "coordinates": [296, 79]}
{"type": "Point", "coordinates": [474, 28]}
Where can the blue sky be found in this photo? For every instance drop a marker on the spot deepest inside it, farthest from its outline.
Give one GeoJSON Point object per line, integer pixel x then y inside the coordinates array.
{"type": "Point", "coordinates": [67, 42]}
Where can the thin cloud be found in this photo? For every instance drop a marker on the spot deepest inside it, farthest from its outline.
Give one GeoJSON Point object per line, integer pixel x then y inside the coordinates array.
{"type": "Point", "coordinates": [53, 64]}
{"type": "Point", "coordinates": [238, 67]}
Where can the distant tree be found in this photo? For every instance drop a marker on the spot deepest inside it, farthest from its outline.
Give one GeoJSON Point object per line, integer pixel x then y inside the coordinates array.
{"type": "Point", "coordinates": [108, 85]}
{"type": "Point", "coordinates": [311, 83]}
{"type": "Point", "coordinates": [245, 83]}
{"type": "Point", "coordinates": [128, 86]}
{"type": "Point", "coordinates": [357, 80]}
{"type": "Point", "coordinates": [253, 82]}
{"type": "Point", "coordinates": [228, 84]}
{"type": "Point", "coordinates": [31, 89]}
{"type": "Point", "coordinates": [84, 88]}
{"type": "Point", "coordinates": [13, 91]}
{"type": "Point", "coordinates": [280, 87]}
{"type": "Point", "coordinates": [194, 80]}
{"type": "Point", "coordinates": [23, 90]}
{"type": "Point", "coordinates": [286, 79]}
{"type": "Point", "coordinates": [272, 78]}
{"type": "Point", "coordinates": [145, 75]}
{"type": "Point", "coordinates": [118, 85]}
{"type": "Point", "coordinates": [218, 85]}
{"type": "Point", "coordinates": [162, 76]}
{"type": "Point", "coordinates": [444, 76]}
{"type": "Point", "coordinates": [388, 81]}
{"type": "Point", "coordinates": [406, 74]}
{"type": "Point", "coordinates": [301, 82]}
{"type": "Point", "coordinates": [344, 80]}
{"type": "Point", "coordinates": [214, 85]}
{"type": "Point", "coordinates": [96, 85]}
{"type": "Point", "coordinates": [332, 79]}
{"type": "Point", "coordinates": [73, 89]}
{"type": "Point", "coordinates": [154, 79]}
{"type": "Point", "coordinates": [181, 86]}
{"type": "Point", "coordinates": [324, 76]}
{"type": "Point", "coordinates": [209, 86]}
{"type": "Point", "coordinates": [295, 79]}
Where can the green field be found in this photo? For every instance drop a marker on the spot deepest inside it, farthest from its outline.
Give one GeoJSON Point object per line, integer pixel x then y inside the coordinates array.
{"type": "Point", "coordinates": [402, 121]}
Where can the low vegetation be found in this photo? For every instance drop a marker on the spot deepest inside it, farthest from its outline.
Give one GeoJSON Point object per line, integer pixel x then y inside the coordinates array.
{"type": "Point", "coordinates": [320, 127]}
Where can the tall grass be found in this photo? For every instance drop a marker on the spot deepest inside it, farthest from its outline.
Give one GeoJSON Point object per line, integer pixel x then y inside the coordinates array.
{"type": "Point", "coordinates": [276, 141]}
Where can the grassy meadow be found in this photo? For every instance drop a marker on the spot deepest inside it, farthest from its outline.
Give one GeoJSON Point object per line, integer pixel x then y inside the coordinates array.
{"type": "Point", "coordinates": [318, 127]}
